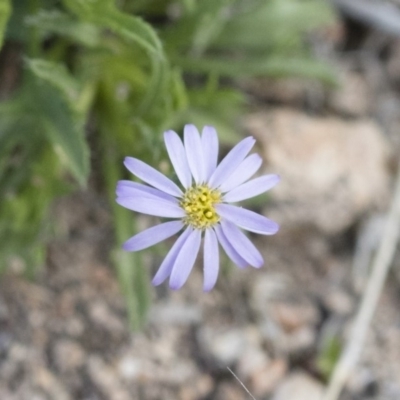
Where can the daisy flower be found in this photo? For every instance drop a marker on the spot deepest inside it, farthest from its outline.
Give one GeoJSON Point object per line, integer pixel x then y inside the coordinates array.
{"type": "Point", "coordinates": [201, 207]}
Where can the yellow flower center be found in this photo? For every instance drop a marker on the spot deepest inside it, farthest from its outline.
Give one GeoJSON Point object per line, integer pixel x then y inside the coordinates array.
{"type": "Point", "coordinates": [198, 203]}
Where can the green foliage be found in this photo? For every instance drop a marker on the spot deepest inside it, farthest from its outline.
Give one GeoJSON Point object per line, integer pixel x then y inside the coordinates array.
{"type": "Point", "coordinates": [30, 177]}
{"type": "Point", "coordinates": [64, 25]}
{"type": "Point", "coordinates": [5, 11]}
{"type": "Point", "coordinates": [329, 356]}
{"type": "Point", "coordinates": [250, 38]}
{"type": "Point", "coordinates": [128, 77]}
{"type": "Point", "coordinates": [56, 101]}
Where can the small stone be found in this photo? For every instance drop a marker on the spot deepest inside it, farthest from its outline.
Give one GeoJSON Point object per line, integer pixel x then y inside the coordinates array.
{"type": "Point", "coordinates": [287, 318]}
{"type": "Point", "coordinates": [106, 379]}
{"type": "Point", "coordinates": [101, 314]}
{"type": "Point", "coordinates": [292, 316]}
{"type": "Point", "coordinates": [299, 386]}
{"type": "Point", "coordinates": [129, 367]}
{"type": "Point", "coordinates": [338, 301]}
{"type": "Point", "coordinates": [252, 359]}
{"type": "Point", "coordinates": [75, 326]}
{"type": "Point", "coordinates": [225, 346]}
{"type": "Point", "coordinates": [293, 343]}
{"type": "Point", "coordinates": [231, 391]}
{"type": "Point", "coordinates": [68, 355]}
{"type": "Point", "coordinates": [353, 97]}
{"type": "Point", "coordinates": [234, 345]}
{"type": "Point", "coordinates": [50, 384]}
{"type": "Point", "coordinates": [173, 313]}
{"type": "Point", "coordinates": [264, 380]}
{"type": "Point", "coordinates": [200, 388]}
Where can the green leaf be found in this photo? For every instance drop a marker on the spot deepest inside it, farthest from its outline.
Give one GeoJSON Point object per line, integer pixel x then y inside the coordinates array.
{"type": "Point", "coordinates": [134, 30]}
{"type": "Point", "coordinates": [57, 76]}
{"type": "Point", "coordinates": [5, 12]}
{"type": "Point", "coordinates": [55, 94]}
{"type": "Point", "coordinates": [328, 355]}
{"type": "Point", "coordinates": [197, 30]}
{"type": "Point", "coordinates": [132, 274]}
{"type": "Point", "coordinates": [104, 13]}
{"type": "Point", "coordinates": [276, 26]}
{"type": "Point", "coordinates": [273, 67]}
{"type": "Point", "coordinates": [56, 22]}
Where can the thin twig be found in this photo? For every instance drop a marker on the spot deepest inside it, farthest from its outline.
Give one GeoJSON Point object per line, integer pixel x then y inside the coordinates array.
{"type": "Point", "coordinates": [380, 268]}
{"type": "Point", "coordinates": [241, 383]}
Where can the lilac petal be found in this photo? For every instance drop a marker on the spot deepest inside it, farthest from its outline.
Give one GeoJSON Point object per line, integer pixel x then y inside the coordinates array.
{"type": "Point", "coordinates": [229, 249]}
{"type": "Point", "coordinates": [252, 188]}
{"type": "Point", "coordinates": [166, 266]}
{"type": "Point", "coordinates": [151, 206]}
{"type": "Point", "coordinates": [130, 189]}
{"type": "Point", "coordinates": [153, 235]}
{"type": "Point", "coordinates": [209, 140]}
{"type": "Point", "coordinates": [177, 155]}
{"type": "Point", "coordinates": [151, 176]}
{"type": "Point", "coordinates": [211, 260]}
{"type": "Point", "coordinates": [247, 219]}
{"type": "Point", "coordinates": [242, 244]}
{"type": "Point", "coordinates": [139, 193]}
{"type": "Point", "coordinates": [247, 168]}
{"type": "Point", "coordinates": [194, 152]}
{"type": "Point", "coordinates": [231, 161]}
{"type": "Point", "coordinates": [185, 260]}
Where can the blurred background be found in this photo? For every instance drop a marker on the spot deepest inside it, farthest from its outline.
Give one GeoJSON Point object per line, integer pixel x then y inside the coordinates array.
{"type": "Point", "coordinates": [84, 83]}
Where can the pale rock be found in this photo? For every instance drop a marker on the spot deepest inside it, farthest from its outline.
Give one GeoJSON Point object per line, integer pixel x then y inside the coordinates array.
{"type": "Point", "coordinates": [129, 367]}
{"type": "Point", "coordinates": [50, 384]}
{"type": "Point", "coordinates": [75, 326]}
{"type": "Point", "coordinates": [224, 346]}
{"type": "Point", "coordinates": [68, 355]}
{"type": "Point", "coordinates": [287, 318]}
{"type": "Point", "coordinates": [105, 377]}
{"type": "Point", "coordinates": [234, 345]}
{"type": "Point", "coordinates": [299, 386]}
{"type": "Point", "coordinates": [101, 314]}
{"type": "Point", "coordinates": [332, 170]}
{"type": "Point", "coordinates": [338, 301]}
{"type": "Point", "coordinates": [290, 344]}
{"type": "Point", "coordinates": [230, 390]}
{"type": "Point", "coordinates": [252, 360]}
{"type": "Point", "coordinates": [200, 388]}
{"type": "Point", "coordinates": [264, 380]}
{"type": "Point", "coordinates": [174, 313]}
{"type": "Point", "coordinates": [353, 97]}
{"type": "Point", "coordinates": [293, 315]}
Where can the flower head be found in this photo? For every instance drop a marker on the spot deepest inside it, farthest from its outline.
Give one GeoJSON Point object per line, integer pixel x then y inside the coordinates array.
{"type": "Point", "coordinates": [201, 208]}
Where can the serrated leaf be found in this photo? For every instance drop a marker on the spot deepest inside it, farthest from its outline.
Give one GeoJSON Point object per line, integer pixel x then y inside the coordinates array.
{"type": "Point", "coordinates": [5, 12]}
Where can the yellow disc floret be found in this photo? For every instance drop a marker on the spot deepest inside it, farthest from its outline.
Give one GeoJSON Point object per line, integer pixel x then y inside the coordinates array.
{"type": "Point", "coordinates": [198, 203]}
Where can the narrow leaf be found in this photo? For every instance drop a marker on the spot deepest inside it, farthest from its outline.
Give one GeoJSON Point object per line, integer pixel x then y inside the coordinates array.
{"type": "Point", "coordinates": [5, 12]}
{"type": "Point", "coordinates": [55, 93]}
